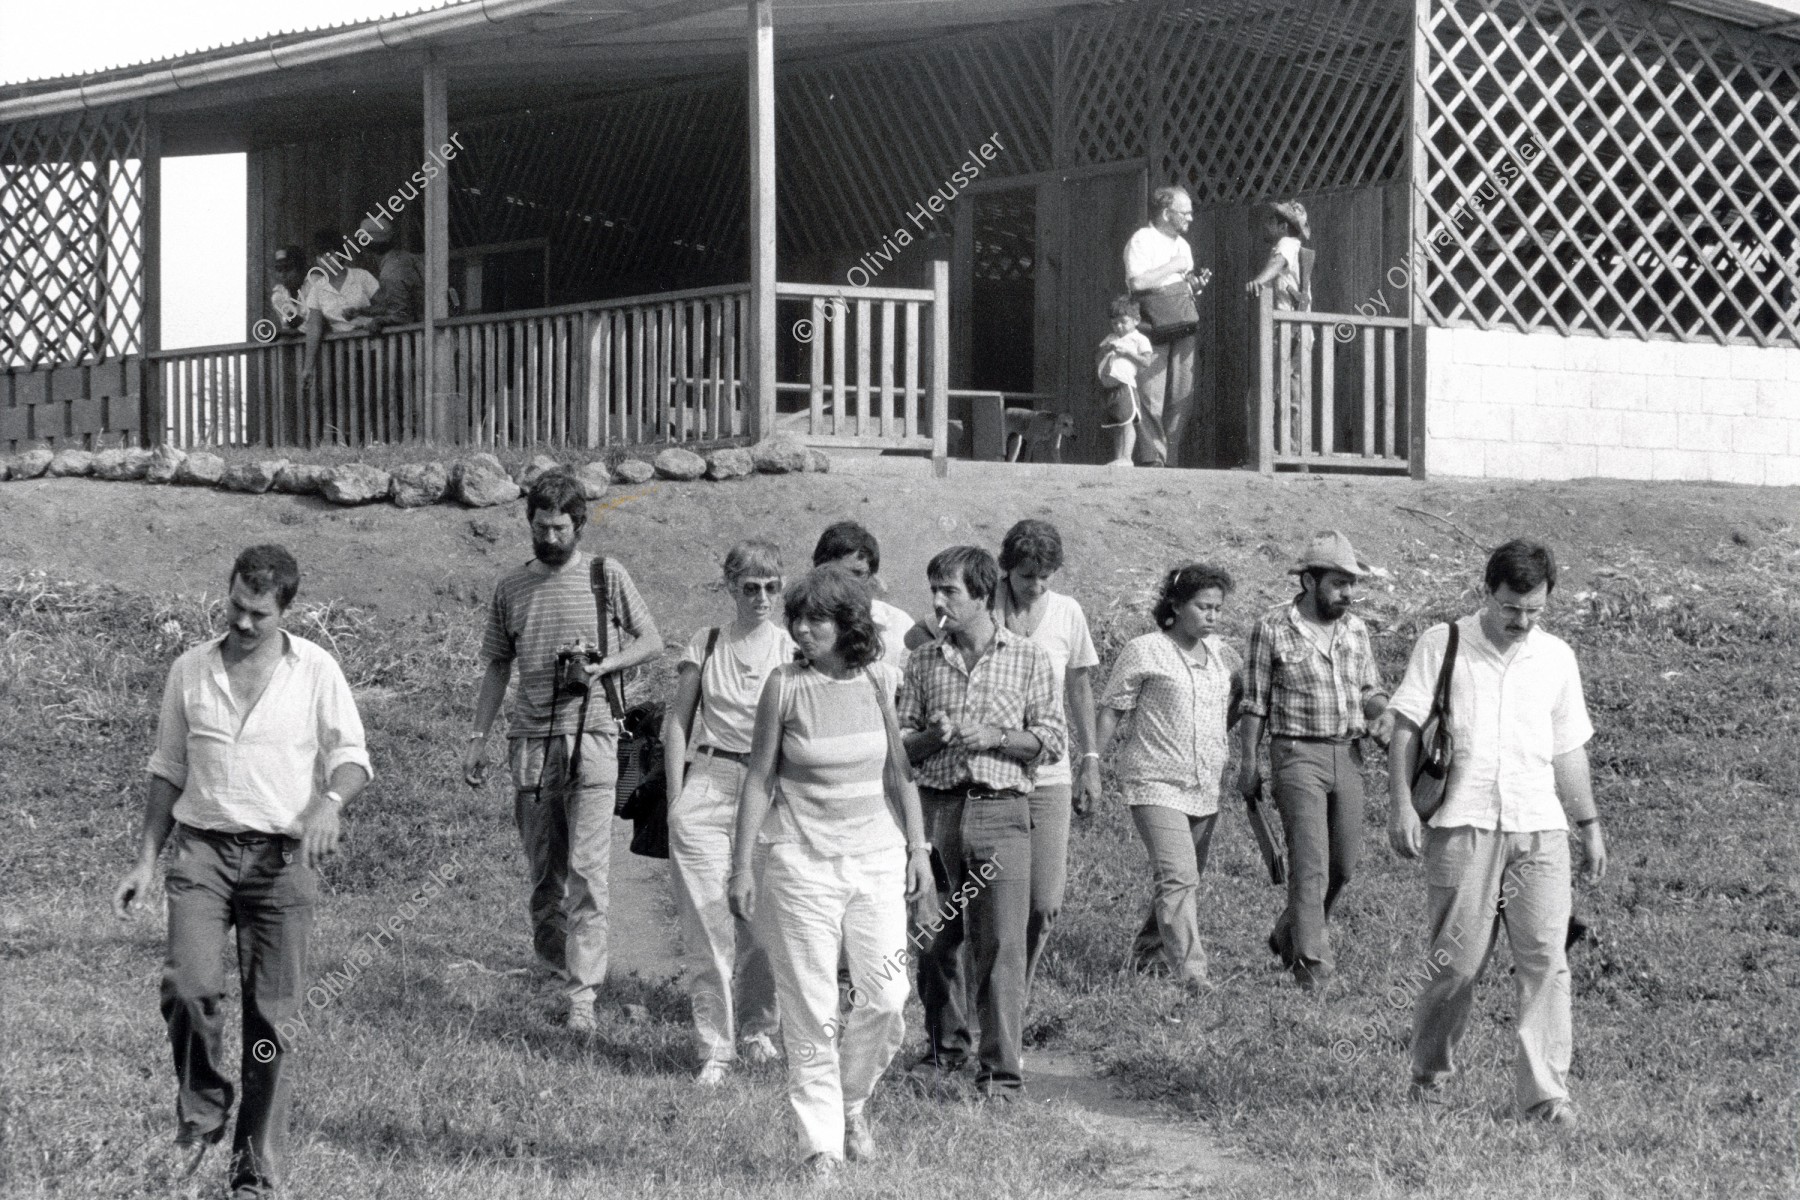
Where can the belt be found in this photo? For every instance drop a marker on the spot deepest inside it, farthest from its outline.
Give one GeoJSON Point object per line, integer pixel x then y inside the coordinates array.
{"type": "Point", "coordinates": [741, 757]}
{"type": "Point", "coordinates": [248, 837]}
{"type": "Point", "coordinates": [1340, 740]}
{"type": "Point", "coordinates": [973, 791]}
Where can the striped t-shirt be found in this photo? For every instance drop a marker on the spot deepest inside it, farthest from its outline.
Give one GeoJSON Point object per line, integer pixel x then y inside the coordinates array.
{"type": "Point", "coordinates": [833, 750]}
{"type": "Point", "coordinates": [537, 608]}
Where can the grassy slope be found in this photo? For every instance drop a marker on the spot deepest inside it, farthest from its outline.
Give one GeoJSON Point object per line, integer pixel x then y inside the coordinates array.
{"type": "Point", "coordinates": [433, 1076]}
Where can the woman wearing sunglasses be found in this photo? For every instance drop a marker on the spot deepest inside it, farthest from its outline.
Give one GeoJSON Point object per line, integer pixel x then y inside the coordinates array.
{"type": "Point", "coordinates": [706, 745]}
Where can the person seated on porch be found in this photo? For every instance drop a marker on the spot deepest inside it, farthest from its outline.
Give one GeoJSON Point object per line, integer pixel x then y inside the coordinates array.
{"type": "Point", "coordinates": [400, 299]}
{"type": "Point", "coordinates": [284, 297]}
{"type": "Point", "coordinates": [1286, 272]}
{"type": "Point", "coordinates": [333, 288]}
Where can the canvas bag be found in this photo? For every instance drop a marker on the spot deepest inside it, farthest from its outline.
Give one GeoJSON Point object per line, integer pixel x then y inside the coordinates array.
{"type": "Point", "coordinates": [1437, 746]}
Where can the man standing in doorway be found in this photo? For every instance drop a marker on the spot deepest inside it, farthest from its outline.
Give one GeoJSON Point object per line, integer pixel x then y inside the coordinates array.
{"type": "Point", "coordinates": [1157, 256]}
{"type": "Point", "coordinates": [258, 748]}
{"type": "Point", "coordinates": [979, 713]}
{"type": "Point", "coordinates": [1311, 681]}
{"type": "Point", "coordinates": [1497, 850]}
{"type": "Point", "coordinates": [563, 743]}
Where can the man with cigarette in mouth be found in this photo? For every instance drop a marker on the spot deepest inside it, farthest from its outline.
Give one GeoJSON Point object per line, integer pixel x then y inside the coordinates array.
{"type": "Point", "coordinates": [979, 714]}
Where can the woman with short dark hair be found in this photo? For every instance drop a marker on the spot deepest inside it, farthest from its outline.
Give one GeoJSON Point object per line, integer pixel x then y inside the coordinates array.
{"type": "Point", "coordinates": [844, 846]}
{"type": "Point", "coordinates": [707, 733]}
{"type": "Point", "coordinates": [1176, 694]}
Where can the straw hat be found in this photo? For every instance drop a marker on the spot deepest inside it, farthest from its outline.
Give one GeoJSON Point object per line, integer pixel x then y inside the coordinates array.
{"type": "Point", "coordinates": [1294, 213]}
{"type": "Point", "coordinates": [1331, 551]}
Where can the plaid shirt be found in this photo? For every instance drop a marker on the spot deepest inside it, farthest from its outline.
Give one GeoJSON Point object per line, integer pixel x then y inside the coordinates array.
{"type": "Point", "coordinates": [1301, 690]}
{"type": "Point", "coordinates": [1013, 686]}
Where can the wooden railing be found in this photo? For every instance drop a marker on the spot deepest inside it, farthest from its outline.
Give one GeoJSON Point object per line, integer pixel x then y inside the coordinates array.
{"type": "Point", "coordinates": [663, 368]}
{"type": "Point", "coordinates": [1331, 389]}
{"type": "Point", "coordinates": [365, 390]}
{"type": "Point", "coordinates": [660, 369]}
{"type": "Point", "coordinates": [877, 363]}
{"type": "Point", "coordinates": [668, 368]}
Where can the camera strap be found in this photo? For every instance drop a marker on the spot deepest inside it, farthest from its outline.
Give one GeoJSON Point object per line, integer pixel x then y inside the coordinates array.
{"type": "Point", "coordinates": [615, 699]}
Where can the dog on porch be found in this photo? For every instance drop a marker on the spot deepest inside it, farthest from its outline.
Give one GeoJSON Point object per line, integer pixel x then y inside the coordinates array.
{"type": "Point", "coordinates": [1039, 431]}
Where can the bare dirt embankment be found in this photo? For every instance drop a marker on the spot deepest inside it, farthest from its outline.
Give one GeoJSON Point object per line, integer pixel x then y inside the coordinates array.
{"type": "Point", "coordinates": [1119, 530]}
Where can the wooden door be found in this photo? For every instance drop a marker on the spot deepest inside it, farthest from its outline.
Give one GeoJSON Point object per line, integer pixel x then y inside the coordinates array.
{"type": "Point", "coordinates": [1096, 213]}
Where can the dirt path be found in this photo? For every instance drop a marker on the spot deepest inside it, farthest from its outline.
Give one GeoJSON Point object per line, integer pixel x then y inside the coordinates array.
{"type": "Point", "coordinates": [1167, 1158]}
{"type": "Point", "coordinates": [1164, 1158]}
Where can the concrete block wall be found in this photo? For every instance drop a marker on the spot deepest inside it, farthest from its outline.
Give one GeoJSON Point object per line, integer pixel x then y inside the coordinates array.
{"type": "Point", "coordinates": [1512, 405]}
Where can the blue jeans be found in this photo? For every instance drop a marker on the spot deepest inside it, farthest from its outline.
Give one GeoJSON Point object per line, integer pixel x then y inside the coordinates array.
{"type": "Point", "coordinates": [982, 863]}
{"type": "Point", "coordinates": [266, 891]}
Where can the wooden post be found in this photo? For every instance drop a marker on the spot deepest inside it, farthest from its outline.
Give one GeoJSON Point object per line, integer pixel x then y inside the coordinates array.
{"type": "Point", "coordinates": [150, 412]}
{"type": "Point", "coordinates": [940, 367]}
{"type": "Point", "coordinates": [1419, 264]}
{"type": "Point", "coordinates": [762, 220]}
{"type": "Point", "coordinates": [1264, 416]}
{"type": "Point", "coordinates": [443, 419]}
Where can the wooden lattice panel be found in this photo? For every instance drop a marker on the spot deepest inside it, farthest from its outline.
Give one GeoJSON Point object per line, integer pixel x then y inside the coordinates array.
{"type": "Point", "coordinates": [71, 239]}
{"type": "Point", "coordinates": [1240, 101]}
{"type": "Point", "coordinates": [634, 191]}
{"type": "Point", "coordinates": [864, 141]}
{"type": "Point", "coordinates": [1612, 166]}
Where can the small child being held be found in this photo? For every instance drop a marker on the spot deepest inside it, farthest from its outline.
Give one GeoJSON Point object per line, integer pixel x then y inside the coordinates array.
{"type": "Point", "coordinates": [1122, 354]}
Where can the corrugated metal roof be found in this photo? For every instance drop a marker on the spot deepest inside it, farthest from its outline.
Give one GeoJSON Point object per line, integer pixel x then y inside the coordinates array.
{"type": "Point", "coordinates": [27, 87]}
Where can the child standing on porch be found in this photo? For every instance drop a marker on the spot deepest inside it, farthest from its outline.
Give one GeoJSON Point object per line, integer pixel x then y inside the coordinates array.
{"type": "Point", "coordinates": [1122, 354]}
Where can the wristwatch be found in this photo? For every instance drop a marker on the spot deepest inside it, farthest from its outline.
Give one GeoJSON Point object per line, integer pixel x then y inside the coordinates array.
{"type": "Point", "coordinates": [333, 796]}
{"type": "Point", "coordinates": [915, 847]}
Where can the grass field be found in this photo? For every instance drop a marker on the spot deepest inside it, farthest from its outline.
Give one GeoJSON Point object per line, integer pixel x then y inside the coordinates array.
{"type": "Point", "coordinates": [438, 1073]}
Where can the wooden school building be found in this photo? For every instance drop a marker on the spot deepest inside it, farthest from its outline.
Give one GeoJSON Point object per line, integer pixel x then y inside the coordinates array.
{"type": "Point", "coordinates": [1552, 238]}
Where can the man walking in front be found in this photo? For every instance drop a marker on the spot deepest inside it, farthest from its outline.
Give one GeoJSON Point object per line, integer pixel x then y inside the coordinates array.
{"type": "Point", "coordinates": [258, 747]}
{"type": "Point", "coordinates": [978, 712]}
{"type": "Point", "coordinates": [1311, 681]}
{"type": "Point", "coordinates": [562, 737]}
{"type": "Point", "coordinates": [1497, 850]}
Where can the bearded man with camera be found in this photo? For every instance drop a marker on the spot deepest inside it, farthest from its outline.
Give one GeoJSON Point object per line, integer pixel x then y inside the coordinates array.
{"type": "Point", "coordinates": [562, 733]}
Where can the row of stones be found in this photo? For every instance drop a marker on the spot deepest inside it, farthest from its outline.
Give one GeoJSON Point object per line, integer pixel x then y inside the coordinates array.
{"type": "Point", "coordinates": [477, 481]}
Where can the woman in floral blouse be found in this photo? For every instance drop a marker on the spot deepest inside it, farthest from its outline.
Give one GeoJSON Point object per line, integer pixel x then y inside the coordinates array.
{"type": "Point", "coordinates": [1176, 693]}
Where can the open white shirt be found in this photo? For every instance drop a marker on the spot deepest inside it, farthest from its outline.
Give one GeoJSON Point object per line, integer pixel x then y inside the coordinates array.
{"type": "Point", "coordinates": [255, 773]}
{"type": "Point", "coordinates": [1150, 248]}
{"type": "Point", "coordinates": [1511, 715]}
{"type": "Point", "coordinates": [1063, 632]}
{"type": "Point", "coordinates": [334, 302]}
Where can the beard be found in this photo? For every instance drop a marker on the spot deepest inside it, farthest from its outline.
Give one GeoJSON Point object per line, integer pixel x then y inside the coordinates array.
{"type": "Point", "coordinates": [551, 554]}
{"type": "Point", "coordinates": [1333, 610]}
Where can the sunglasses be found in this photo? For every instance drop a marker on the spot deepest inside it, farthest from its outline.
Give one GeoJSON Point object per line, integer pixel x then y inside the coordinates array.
{"type": "Point", "coordinates": [758, 587]}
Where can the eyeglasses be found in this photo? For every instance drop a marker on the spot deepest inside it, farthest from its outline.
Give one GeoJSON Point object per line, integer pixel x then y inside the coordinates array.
{"type": "Point", "coordinates": [758, 587]}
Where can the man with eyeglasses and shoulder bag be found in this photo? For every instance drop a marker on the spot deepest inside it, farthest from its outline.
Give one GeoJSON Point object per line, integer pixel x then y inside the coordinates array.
{"type": "Point", "coordinates": [1496, 847]}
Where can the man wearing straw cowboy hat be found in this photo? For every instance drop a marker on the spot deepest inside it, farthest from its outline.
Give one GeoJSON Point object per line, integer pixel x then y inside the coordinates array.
{"type": "Point", "coordinates": [1311, 681]}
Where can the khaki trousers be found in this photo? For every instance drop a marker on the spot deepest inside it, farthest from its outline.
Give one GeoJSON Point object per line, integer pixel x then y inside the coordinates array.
{"type": "Point", "coordinates": [1481, 880]}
